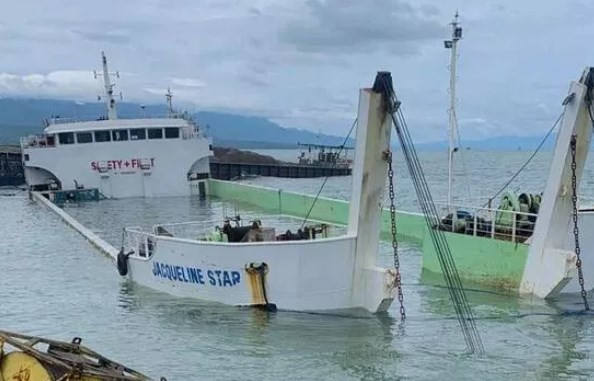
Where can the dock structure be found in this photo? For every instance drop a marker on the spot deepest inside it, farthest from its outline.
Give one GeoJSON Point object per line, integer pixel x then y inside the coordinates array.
{"type": "Point", "coordinates": [230, 171]}
{"type": "Point", "coordinates": [11, 166]}
{"type": "Point", "coordinates": [11, 169]}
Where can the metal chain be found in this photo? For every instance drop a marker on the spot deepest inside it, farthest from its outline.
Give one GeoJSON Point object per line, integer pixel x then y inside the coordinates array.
{"type": "Point", "coordinates": [576, 231]}
{"type": "Point", "coordinates": [394, 239]}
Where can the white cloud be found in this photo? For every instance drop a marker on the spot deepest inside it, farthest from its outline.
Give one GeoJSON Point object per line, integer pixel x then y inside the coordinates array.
{"type": "Point", "coordinates": [302, 62]}
{"type": "Point", "coordinates": [64, 83]}
{"type": "Point", "coordinates": [187, 82]}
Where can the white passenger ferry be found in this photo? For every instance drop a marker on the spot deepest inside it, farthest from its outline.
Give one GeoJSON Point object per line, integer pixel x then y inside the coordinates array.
{"type": "Point", "coordinates": [152, 157]}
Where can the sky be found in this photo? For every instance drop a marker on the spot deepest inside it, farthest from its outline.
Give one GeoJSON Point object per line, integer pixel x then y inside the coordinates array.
{"type": "Point", "coordinates": [301, 63]}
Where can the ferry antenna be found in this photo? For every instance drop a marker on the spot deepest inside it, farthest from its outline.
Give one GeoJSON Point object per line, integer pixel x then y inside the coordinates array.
{"type": "Point", "coordinates": [110, 102]}
{"type": "Point", "coordinates": [169, 97]}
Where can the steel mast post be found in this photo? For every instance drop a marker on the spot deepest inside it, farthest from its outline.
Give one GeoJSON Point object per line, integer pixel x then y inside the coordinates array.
{"type": "Point", "coordinates": [452, 45]}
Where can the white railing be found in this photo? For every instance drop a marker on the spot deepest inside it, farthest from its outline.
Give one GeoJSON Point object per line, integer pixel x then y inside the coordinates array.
{"type": "Point", "coordinates": [487, 222]}
{"type": "Point", "coordinates": [140, 242]}
{"type": "Point", "coordinates": [191, 229]}
{"type": "Point", "coordinates": [60, 120]}
{"type": "Point", "coordinates": [198, 230]}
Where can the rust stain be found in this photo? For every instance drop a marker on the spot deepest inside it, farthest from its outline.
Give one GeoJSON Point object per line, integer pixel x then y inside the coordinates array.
{"type": "Point", "coordinates": [256, 274]}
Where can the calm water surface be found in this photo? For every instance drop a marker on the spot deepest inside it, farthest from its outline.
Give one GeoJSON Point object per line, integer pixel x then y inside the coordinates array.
{"type": "Point", "coordinates": [54, 284]}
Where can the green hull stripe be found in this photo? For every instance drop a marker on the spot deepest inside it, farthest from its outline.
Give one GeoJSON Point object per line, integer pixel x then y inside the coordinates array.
{"type": "Point", "coordinates": [410, 226]}
{"type": "Point", "coordinates": [480, 261]}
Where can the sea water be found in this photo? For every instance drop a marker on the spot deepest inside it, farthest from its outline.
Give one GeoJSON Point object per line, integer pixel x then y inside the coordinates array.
{"type": "Point", "coordinates": [54, 284]}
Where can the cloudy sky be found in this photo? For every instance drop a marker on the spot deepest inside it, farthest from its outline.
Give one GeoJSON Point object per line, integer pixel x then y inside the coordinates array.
{"type": "Point", "coordinates": [300, 63]}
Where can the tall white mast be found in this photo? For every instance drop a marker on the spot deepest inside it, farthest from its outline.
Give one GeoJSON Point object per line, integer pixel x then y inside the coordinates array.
{"type": "Point", "coordinates": [169, 97]}
{"type": "Point", "coordinates": [452, 44]}
{"type": "Point", "coordinates": [109, 99]}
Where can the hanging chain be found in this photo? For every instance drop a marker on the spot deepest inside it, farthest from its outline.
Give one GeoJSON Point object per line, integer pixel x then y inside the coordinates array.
{"type": "Point", "coordinates": [576, 231]}
{"type": "Point", "coordinates": [388, 155]}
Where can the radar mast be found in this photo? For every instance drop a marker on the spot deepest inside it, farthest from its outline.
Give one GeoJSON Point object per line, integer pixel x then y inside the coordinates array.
{"type": "Point", "coordinates": [110, 102]}
{"type": "Point", "coordinates": [452, 45]}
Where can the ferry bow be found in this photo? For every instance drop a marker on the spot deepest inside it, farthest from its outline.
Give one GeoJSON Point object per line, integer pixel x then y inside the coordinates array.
{"type": "Point", "coordinates": [322, 274]}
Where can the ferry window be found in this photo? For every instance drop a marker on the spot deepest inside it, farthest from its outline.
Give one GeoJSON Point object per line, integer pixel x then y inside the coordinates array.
{"type": "Point", "coordinates": [119, 135]}
{"type": "Point", "coordinates": [137, 134]}
{"type": "Point", "coordinates": [102, 136]}
{"type": "Point", "coordinates": [171, 133]}
{"type": "Point", "coordinates": [155, 133]}
{"type": "Point", "coordinates": [84, 137]}
{"type": "Point", "coordinates": [66, 137]}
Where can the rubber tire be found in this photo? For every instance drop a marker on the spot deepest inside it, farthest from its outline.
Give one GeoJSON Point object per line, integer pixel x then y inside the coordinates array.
{"type": "Point", "coordinates": [122, 263]}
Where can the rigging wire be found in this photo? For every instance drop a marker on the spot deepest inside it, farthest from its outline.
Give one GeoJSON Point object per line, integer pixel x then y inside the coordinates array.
{"type": "Point", "coordinates": [346, 139]}
{"type": "Point", "coordinates": [542, 142]}
{"type": "Point", "coordinates": [452, 278]}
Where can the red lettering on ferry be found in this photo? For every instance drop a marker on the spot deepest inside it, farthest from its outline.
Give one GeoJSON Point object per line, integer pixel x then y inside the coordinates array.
{"type": "Point", "coordinates": [123, 164]}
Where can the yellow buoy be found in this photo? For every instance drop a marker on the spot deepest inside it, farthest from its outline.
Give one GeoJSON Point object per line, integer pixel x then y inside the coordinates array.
{"type": "Point", "coordinates": [19, 366]}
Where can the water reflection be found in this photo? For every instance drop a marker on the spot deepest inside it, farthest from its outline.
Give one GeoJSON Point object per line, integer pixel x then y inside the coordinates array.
{"type": "Point", "coordinates": [569, 334]}
{"type": "Point", "coordinates": [360, 346]}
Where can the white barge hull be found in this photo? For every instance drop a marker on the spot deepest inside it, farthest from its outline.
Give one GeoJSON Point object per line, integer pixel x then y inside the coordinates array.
{"type": "Point", "coordinates": [315, 275]}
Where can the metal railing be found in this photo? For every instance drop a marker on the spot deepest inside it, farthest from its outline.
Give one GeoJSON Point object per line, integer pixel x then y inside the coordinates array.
{"type": "Point", "coordinates": [191, 229]}
{"type": "Point", "coordinates": [499, 224]}
{"type": "Point", "coordinates": [199, 230]}
{"type": "Point", "coordinates": [139, 242]}
{"type": "Point", "coordinates": [60, 120]}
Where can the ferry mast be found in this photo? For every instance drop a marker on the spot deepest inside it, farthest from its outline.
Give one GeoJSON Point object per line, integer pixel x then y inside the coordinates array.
{"type": "Point", "coordinates": [169, 97]}
{"type": "Point", "coordinates": [110, 102]}
{"type": "Point", "coordinates": [452, 45]}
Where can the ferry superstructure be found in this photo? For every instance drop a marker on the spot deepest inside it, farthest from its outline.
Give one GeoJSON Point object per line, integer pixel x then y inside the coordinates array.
{"type": "Point", "coordinates": [149, 157]}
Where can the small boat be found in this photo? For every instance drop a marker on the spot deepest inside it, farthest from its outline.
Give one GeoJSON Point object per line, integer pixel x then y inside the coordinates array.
{"type": "Point", "coordinates": [305, 269]}
{"type": "Point", "coordinates": [33, 358]}
{"type": "Point", "coordinates": [325, 155]}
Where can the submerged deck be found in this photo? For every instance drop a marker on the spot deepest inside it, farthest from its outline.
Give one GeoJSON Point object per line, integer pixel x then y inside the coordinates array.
{"type": "Point", "coordinates": [492, 262]}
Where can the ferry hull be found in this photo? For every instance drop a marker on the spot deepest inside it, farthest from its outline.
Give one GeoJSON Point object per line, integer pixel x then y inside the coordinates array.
{"type": "Point", "coordinates": [300, 276]}
{"type": "Point", "coordinates": [164, 167]}
{"type": "Point", "coordinates": [499, 265]}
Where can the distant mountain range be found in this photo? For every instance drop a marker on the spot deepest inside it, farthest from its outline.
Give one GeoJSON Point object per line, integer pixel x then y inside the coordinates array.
{"type": "Point", "coordinates": [497, 143]}
{"type": "Point", "coordinates": [19, 117]}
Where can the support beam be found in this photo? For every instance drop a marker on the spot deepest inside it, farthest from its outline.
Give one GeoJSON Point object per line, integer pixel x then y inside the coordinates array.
{"type": "Point", "coordinates": [369, 183]}
{"type": "Point", "coordinates": [551, 262]}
